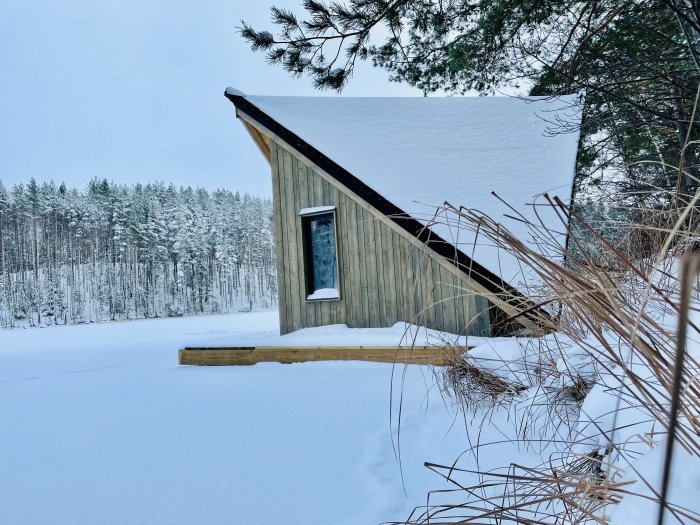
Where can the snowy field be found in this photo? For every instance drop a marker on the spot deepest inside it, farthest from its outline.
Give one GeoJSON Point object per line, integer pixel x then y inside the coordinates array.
{"type": "Point", "coordinates": [100, 425]}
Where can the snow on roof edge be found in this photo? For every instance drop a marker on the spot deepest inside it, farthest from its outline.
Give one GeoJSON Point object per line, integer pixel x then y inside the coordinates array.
{"type": "Point", "coordinates": [232, 91]}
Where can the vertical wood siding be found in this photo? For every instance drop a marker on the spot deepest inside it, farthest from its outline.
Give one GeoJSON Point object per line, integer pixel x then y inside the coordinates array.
{"type": "Point", "coordinates": [384, 278]}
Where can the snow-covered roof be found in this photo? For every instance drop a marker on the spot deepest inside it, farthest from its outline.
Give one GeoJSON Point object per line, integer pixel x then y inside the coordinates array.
{"type": "Point", "coordinates": [420, 152]}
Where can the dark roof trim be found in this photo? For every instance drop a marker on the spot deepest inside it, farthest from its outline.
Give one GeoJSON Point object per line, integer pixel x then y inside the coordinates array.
{"type": "Point", "coordinates": [470, 267]}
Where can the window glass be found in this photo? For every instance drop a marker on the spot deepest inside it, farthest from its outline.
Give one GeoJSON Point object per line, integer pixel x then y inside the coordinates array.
{"type": "Point", "coordinates": [323, 271]}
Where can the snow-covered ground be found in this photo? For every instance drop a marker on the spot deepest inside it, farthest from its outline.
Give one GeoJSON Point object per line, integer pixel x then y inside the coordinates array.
{"type": "Point", "coordinates": [100, 425]}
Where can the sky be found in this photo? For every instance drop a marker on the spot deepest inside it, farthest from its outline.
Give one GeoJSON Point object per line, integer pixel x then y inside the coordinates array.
{"type": "Point", "coordinates": [132, 91]}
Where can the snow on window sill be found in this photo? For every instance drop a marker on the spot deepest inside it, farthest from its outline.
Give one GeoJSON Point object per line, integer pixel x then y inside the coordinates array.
{"type": "Point", "coordinates": [324, 293]}
{"type": "Point", "coordinates": [316, 210]}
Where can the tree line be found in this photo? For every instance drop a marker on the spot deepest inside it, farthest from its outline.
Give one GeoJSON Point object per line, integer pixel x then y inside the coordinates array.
{"type": "Point", "coordinates": [114, 251]}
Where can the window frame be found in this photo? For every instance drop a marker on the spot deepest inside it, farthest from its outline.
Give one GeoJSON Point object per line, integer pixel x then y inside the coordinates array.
{"type": "Point", "coordinates": [306, 216]}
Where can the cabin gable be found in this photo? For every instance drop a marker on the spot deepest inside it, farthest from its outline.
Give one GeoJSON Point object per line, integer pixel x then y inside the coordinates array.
{"type": "Point", "coordinates": [384, 276]}
{"type": "Point", "coordinates": [381, 172]}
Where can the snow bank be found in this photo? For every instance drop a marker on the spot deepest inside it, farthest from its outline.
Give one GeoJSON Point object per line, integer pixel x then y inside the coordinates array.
{"type": "Point", "coordinates": [401, 334]}
{"type": "Point", "coordinates": [641, 507]}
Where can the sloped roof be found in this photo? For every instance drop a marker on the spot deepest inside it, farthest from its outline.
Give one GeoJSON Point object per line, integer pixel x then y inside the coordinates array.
{"type": "Point", "coordinates": [420, 152]}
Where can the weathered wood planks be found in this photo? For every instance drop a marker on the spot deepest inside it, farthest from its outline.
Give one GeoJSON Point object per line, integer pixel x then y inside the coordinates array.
{"type": "Point", "coordinates": [246, 355]}
{"type": "Point", "coordinates": [385, 277]}
{"type": "Point", "coordinates": [494, 307]}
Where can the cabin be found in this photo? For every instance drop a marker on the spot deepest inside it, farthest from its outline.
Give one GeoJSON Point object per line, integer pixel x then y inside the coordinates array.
{"type": "Point", "coordinates": [356, 182]}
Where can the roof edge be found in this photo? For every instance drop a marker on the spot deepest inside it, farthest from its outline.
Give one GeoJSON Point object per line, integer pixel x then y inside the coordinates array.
{"type": "Point", "coordinates": [506, 293]}
{"type": "Point", "coordinates": [234, 92]}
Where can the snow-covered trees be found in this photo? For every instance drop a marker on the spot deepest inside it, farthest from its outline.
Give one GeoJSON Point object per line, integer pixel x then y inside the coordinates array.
{"type": "Point", "coordinates": [123, 252]}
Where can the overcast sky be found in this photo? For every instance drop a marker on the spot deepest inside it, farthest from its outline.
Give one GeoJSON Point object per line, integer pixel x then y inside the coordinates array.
{"type": "Point", "coordinates": [132, 90]}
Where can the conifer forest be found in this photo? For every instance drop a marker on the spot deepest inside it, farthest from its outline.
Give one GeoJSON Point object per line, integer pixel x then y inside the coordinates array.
{"type": "Point", "coordinates": [114, 251]}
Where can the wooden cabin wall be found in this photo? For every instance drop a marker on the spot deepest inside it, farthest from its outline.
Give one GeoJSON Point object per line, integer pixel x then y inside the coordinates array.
{"type": "Point", "coordinates": [384, 278]}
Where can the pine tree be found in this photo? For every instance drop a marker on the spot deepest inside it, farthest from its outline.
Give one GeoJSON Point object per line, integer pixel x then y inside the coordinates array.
{"type": "Point", "coordinates": [638, 60]}
{"type": "Point", "coordinates": [121, 252]}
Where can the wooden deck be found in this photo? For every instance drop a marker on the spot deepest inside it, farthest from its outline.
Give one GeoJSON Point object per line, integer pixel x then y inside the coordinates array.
{"type": "Point", "coordinates": [249, 355]}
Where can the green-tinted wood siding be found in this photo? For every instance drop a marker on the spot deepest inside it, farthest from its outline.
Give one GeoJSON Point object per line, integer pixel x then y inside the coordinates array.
{"type": "Point", "coordinates": [384, 277]}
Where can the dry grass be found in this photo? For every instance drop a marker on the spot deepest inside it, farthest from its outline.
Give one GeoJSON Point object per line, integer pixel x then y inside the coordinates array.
{"type": "Point", "coordinates": [596, 303]}
{"type": "Point", "coordinates": [619, 315]}
{"type": "Point", "coordinates": [578, 391]}
{"type": "Point", "coordinates": [473, 386]}
{"type": "Point", "coordinates": [625, 304]}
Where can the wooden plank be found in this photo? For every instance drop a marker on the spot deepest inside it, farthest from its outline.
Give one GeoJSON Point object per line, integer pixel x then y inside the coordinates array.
{"type": "Point", "coordinates": [261, 141]}
{"type": "Point", "coordinates": [449, 308]}
{"type": "Point", "coordinates": [289, 298]}
{"type": "Point", "coordinates": [292, 248]}
{"type": "Point", "coordinates": [362, 257]}
{"type": "Point", "coordinates": [437, 298]}
{"type": "Point", "coordinates": [471, 312]}
{"type": "Point", "coordinates": [462, 291]}
{"type": "Point", "coordinates": [318, 189]}
{"type": "Point", "coordinates": [427, 288]}
{"type": "Point", "coordinates": [250, 355]}
{"type": "Point", "coordinates": [398, 261]}
{"type": "Point", "coordinates": [343, 312]}
{"type": "Point", "coordinates": [324, 314]}
{"type": "Point", "coordinates": [413, 280]}
{"type": "Point", "coordinates": [409, 283]}
{"type": "Point", "coordinates": [380, 255]}
{"type": "Point", "coordinates": [428, 291]}
{"type": "Point", "coordinates": [355, 305]}
{"type": "Point", "coordinates": [326, 192]}
{"type": "Point", "coordinates": [279, 240]}
{"type": "Point", "coordinates": [313, 315]}
{"type": "Point", "coordinates": [299, 192]}
{"type": "Point", "coordinates": [313, 179]}
{"type": "Point", "coordinates": [483, 316]}
{"type": "Point", "coordinates": [344, 260]}
{"type": "Point", "coordinates": [336, 306]}
{"type": "Point", "coordinates": [329, 306]}
{"type": "Point", "coordinates": [371, 263]}
{"type": "Point", "coordinates": [392, 315]}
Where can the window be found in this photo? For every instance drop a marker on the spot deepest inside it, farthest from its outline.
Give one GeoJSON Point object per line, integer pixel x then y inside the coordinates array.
{"type": "Point", "coordinates": [320, 253]}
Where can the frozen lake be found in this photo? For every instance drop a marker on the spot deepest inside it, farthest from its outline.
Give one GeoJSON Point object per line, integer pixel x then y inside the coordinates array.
{"type": "Point", "coordinates": [100, 425]}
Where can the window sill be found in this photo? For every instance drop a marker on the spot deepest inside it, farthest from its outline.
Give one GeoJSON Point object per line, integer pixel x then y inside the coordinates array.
{"type": "Point", "coordinates": [324, 294]}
